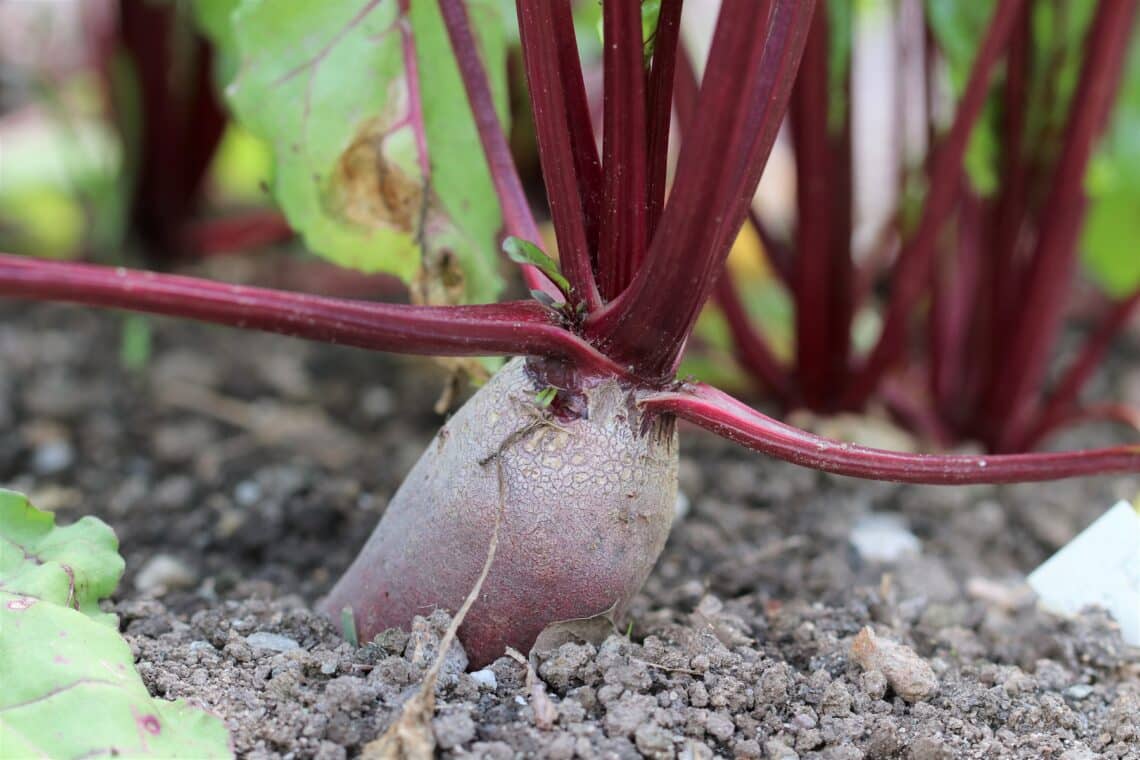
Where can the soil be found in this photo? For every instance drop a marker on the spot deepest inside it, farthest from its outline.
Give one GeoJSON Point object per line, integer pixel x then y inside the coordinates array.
{"type": "Point", "coordinates": [241, 473]}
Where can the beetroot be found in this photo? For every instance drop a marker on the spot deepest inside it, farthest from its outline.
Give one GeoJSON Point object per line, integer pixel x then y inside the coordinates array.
{"type": "Point", "coordinates": [589, 501]}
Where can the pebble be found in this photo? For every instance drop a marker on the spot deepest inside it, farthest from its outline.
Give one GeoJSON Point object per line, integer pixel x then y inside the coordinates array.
{"type": "Point", "coordinates": [776, 749]}
{"type": "Point", "coordinates": [485, 678]}
{"type": "Point", "coordinates": [52, 457]}
{"type": "Point", "coordinates": [163, 573]}
{"type": "Point", "coordinates": [1078, 691]}
{"type": "Point", "coordinates": [273, 641]}
{"type": "Point", "coordinates": [422, 647]}
{"type": "Point", "coordinates": [694, 750]}
{"type": "Point", "coordinates": [377, 403]}
{"type": "Point", "coordinates": [247, 493]}
{"type": "Point", "coordinates": [453, 729]}
{"type": "Point", "coordinates": [909, 675]}
{"type": "Point", "coordinates": [173, 493]}
{"type": "Point", "coordinates": [1080, 752]}
{"type": "Point", "coordinates": [681, 506]}
{"type": "Point", "coordinates": [328, 663]}
{"type": "Point", "coordinates": [883, 537]}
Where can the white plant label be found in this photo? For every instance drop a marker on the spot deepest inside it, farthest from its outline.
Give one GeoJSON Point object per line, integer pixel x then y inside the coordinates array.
{"type": "Point", "coordinates": [1101, 566]}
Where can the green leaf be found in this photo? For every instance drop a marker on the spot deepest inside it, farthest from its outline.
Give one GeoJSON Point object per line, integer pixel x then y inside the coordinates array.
{"type": "Point", "coordinates": [959, 28]}
{"type": "Point", "coordinates": [135, 342]}
{"type": "Point", "coordinates": [1111, 237]}
{"type": "Point", "coordinates": [650, 13]}
{"type": "Point", "coordinates": [375, 147]}
{"type": "Point", "coordinates": [524, 252]}
{"type": "Point", "coordinates": [1059, 34]}
{"type": "Point", "coordinates": [463, 216]}
{"type": "Point", "coordinates": [983, 151]}
{"type": "Point", "coordinates": [74, 566]}
{"type": "Point", "coordinates": [215, 21]}
{"type": "Point", "coordinates": [70, 687]}
{"type": "Point", "coordinates": [840, 32]}
{"type": "Point", "coordinates": [71, 690]}
{"type": "Point", "coordinates": [710, 354]}
{"type": "Point", "coordinates": [545, 397]}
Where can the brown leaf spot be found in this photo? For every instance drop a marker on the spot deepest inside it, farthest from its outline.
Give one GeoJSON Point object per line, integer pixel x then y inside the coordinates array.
{"type": "Point", "coordinates": [368, 190]}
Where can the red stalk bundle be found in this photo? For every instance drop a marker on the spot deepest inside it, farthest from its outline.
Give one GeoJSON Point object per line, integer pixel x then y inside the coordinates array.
{"type": "Point", "coordinates": [993, 292]}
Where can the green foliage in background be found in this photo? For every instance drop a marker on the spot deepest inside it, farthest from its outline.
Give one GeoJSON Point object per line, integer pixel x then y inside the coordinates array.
{"type": "Point", "coordinates": [1112, 232]}
{"type": "Point", "coordinates": [1111, 236]}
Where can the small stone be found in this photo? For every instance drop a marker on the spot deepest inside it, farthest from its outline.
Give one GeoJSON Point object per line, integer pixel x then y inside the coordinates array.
{"type": "Point", "coordinates": [720, 725]}
{"type": "Point", "coordinates": [53, 457]}
{"type": "Point", "coordinates": [628, 714]}
{"type": "Point", "coordinates": [327, 750]}
{"type": "Point", "coordinates": [492, 750]}
{"type": "Point", "coordinates": [453, 729]}
{"type": "Point", "coordinates": [173, 493]}
{"type": "Point", "coordinates": [654, 741]}
{"type": "Point", "coordinates": [844, 752]}
{"type": "Point", "coordinates": [391, 640]}
{"type": "Point", "coordinates": [694, 750]}
{"type": "Point", "coordinates": [883, 537]}
{"type": "Point", "coordinates": [836, 699]}
{"type": "Point", "coordinates": [377, 403]}
{"type": "Point", "coordinates": [777, 750]}
{"type": "Point", "coordinates": [486, 679]}
{"type": "Point", "coordinates": [681, 506]}
{"type": "Point", "coordinates": [182, 442]}
{"type": "Point", "coordinates": [929, 748]}
{"type": "Point", "coordinates": [163, 573]}
{"type": "Point", "coordinates": [328, 663]}
{"type": "Point", "coordinates": [272, 641]}
{"type": "Point", "coordinates": [423, 648]}
{"type": "Point", "coordinates": [566, 664]}
{"type": "Point", "coordinates": [1078, 691]}
{"type": "Point", "coordinates": [228, 523]}
{"type": "Point", "coordinates": [774, 684]}
{"type": "Point", "coordinates": [909, 675]}
{"type": "Point", "coordinates": [747, 748]}
{"type": "Point", "coordinates": [247, 493]}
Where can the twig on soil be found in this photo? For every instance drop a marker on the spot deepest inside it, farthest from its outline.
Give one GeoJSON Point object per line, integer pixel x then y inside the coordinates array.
{"type": "Point", "coordinates": [545, 713]}
{"type": "Point", "coordinates": [666, 668]}
{"type": "Point", "coordinates": [411, 736]}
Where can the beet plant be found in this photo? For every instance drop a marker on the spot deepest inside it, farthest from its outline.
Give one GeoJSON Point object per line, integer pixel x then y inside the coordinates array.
{"type": "Point", "coordinates": [386, 122]}
{"type": "Point", "coordinates": [980, 253]}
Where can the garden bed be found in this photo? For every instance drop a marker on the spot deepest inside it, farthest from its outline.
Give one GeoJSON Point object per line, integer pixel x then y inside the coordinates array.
{"type": "Point", "coordinates": [242, 472]}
